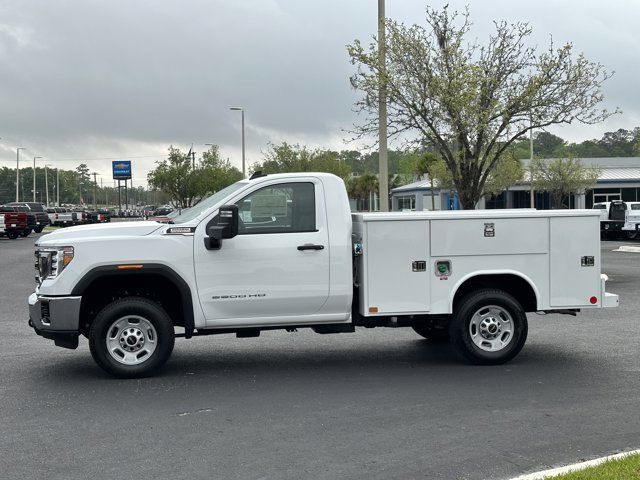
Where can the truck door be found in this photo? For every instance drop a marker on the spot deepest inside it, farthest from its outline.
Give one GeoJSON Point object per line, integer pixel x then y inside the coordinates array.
{"type": "Point", "coordinates": [277, 265]}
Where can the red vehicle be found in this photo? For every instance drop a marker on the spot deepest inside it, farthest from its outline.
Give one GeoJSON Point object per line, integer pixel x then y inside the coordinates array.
{"type": "Point", "coordinates": [14, 222]}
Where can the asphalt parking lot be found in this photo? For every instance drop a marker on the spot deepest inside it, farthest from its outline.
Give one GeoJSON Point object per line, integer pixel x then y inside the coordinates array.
{"type": "Point", "coordinates": [376, 404]}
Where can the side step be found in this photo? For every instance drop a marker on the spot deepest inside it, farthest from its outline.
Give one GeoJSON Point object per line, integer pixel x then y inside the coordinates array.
{"type": "Point", "coordinates": [334, 328]}
{"type": "Point", "coordinates": [248, 333]}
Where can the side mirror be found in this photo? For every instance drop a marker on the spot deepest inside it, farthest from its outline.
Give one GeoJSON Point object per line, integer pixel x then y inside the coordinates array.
{"type": "Point", "coordinates": [227, 227]}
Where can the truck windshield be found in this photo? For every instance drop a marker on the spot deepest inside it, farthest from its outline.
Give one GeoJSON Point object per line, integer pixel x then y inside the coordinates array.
{"type": "Point", "coordinates": [193, 212]}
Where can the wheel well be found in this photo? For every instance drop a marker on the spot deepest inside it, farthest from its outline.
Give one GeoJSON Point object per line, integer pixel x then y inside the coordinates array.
{"type": "Point", "coordinates": [110, 286]}
{"type": "Point", "coordinates": [514, 285]}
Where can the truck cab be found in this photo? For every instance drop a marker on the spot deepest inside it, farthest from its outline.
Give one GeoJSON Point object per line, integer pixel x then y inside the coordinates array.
{"type": "Point", "coordinates": [284, 252]}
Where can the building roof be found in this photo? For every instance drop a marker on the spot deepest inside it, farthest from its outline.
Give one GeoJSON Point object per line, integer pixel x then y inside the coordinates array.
{"type": "Point", "coordinates": [612, 169]}
{"type": "Point", "coordinates": [424, 184]}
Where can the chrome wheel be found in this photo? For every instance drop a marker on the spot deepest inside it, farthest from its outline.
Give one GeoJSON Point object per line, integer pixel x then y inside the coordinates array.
{"type": "Point", "coordinates": [491, 328]}
{"type": "Point", "coordinates": [131, 340]}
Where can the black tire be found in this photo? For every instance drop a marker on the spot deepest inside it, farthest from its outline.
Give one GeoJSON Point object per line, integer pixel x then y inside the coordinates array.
{"type": "Point", "coordinates": [630, 234]}
{"type": "Point", "coordinates": [460, 328]}
{"type": "Point", "coordinates": [103, 325]}
{"type": "Point", "coordinates": [38, 229]}
{"type": "Point", "coordinates": [25, 232]}
{"type": "Point", "coordinates": [431, 333]}
{"type": "Point", "coordinates": [13, 234]}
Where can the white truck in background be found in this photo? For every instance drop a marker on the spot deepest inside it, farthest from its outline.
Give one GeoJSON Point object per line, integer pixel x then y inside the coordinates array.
{"type": "Point", "coordinates": [632, 220]}
{"type": "Point", "coordinates": [618, 219]}
{"type": "Point", "coordinates": [60, 217]}
{"type": "Point", "coordinates": [284, 252]}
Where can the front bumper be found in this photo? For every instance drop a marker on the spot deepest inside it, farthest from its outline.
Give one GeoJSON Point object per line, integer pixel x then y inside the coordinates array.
{"type": "Point", "coordinates": [56, 318]}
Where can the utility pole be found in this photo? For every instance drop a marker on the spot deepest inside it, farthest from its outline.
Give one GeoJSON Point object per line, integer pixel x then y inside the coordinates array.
{"type": "Point", "coordinates": [244, 163]}
{"type": "Point", "coordinates": [18, 171]}
{"type": "Point", "coordinates": [58, 186]}
{"type": "Point", "coordinates": [34, 179]}
{"type": "Point", "coordinates": [95, 188]}
{"type": "Point", "coordinates": [383, 181]}
{"type": "Point", "coordinates": [46, 183]}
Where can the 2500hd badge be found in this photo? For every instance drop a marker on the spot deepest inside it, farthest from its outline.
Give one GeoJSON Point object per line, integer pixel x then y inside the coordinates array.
{"type": "Point", "coordinates": [250, 295]}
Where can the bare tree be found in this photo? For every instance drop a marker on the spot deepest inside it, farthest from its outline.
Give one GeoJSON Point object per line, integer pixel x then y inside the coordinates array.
{"type": "Point", "coordinates": [473, 101]}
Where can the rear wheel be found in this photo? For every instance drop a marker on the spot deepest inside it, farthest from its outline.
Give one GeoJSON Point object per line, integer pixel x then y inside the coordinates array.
{"type": "Point", "coordinates": [631, 234]}
{"type": "Point", "coordinates": [13, 234]}
{"type": "Point", "coordinates": [489, 327]}
{"type": "Point", "coordinates": [131, 337]}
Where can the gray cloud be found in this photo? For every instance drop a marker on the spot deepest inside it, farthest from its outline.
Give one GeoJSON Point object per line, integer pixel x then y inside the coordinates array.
{"type": "Point", "coordinates": [96, 79]}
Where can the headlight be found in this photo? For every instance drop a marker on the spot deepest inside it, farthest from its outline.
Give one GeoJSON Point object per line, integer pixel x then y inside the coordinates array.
{"type": "Point", "coordinates": [51, 262]}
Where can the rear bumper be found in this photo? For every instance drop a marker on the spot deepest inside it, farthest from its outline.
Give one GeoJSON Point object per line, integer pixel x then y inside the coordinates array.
{"type": "Point", "coordinates": [56, 318]}
{"type": "Point", "coordinates": [609, 300]}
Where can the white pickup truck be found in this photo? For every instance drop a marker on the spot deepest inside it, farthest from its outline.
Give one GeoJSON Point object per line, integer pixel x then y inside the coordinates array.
{"type": "Point", "coordinates": [60, 217]}
{"type": "Point", "coordinates": [284, 252]}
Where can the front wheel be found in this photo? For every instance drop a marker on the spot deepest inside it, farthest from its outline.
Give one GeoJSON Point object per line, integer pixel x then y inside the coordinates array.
{"type": "Point", "coordinates": [131, 337]}
{"type": "Point", "coordinates": [631, 234]}
{"type": "Point", "coordinates": [25, 233]}
{"type": "Point", "coordinates": [38, 229]}
{"type": "Point", "coordinates": [489, 327]}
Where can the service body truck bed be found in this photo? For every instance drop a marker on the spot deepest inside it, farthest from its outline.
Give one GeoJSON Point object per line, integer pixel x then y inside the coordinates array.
{"type": "Point", "coordinates": [413, 263]}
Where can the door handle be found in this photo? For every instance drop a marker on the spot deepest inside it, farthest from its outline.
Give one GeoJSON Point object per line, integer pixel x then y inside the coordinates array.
{"type": "Point", "coordinates": [309, 246]}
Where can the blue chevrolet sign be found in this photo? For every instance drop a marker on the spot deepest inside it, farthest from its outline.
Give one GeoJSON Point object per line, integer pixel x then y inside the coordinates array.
{"type": "Point", "coordinates": [121, 169]}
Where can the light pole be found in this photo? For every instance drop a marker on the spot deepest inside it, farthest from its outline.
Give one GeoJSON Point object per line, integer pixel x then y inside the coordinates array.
{"type": "Point", "coordinates": [46, 182]}
{"type": "Point", "coordinates": [241, 109]}
{"type": "Point", "coordinates": [58, 186]}
{"type": "Point", "coordinates": [18, 170]}
{"type": "Point", "coordinates": [34, 179]}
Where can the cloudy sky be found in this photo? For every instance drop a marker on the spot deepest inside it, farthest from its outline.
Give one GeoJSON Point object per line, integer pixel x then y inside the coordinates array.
{"type": "Point", "coordinates": [91, 80]}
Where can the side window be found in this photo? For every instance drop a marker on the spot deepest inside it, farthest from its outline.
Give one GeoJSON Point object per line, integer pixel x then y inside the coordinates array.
{"type": "Point", "coordinates": [283, 208]}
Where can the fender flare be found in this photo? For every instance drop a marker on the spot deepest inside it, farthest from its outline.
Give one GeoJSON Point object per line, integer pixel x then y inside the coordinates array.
{"type": "Point", "coordinates": [479, 273]}
{"type": "Point", "coordinates": [148, 268]}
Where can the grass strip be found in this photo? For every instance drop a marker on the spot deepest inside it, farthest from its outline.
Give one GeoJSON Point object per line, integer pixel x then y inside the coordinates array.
{"type": "Point", "coordinates": [626, 468]}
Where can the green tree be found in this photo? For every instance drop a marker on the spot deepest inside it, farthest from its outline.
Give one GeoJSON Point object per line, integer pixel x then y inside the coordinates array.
{"type": "Point", "coordinates": [286, 158]}
{"type": "Point", "coordinates": [508, 172]}
{"type": "Point", "coordinates": [424, 165]}
{"type": "Point", "coordinates": [472, 101]}
{"type": "Point", "coordinates": [84, 181]}
{"type": "Point", "coordinates": [186, 184]}
{"type": "Point", "coordinates": [562, 176]}
{"type": "Point", "coordinates": [362, 189]}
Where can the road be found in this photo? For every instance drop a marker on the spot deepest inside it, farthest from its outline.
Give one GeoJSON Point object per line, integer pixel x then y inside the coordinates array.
{"type": "Point", "coordinates": [376, 404]}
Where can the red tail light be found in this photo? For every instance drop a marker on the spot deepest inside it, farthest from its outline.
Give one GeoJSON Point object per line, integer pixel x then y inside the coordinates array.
{"type": "Point", "coordinates": [593, 300]}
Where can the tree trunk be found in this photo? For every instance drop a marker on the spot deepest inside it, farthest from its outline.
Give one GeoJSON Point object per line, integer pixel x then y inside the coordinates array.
{"type": "Point", "coordinates": [433, 200]}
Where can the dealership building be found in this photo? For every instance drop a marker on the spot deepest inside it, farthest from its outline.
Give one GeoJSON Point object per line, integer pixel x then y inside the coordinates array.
{"type": "Point", "coordinates": [619, 179]}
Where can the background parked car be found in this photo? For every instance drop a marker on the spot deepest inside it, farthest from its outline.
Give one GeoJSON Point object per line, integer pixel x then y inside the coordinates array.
{"type": "Point", "coordinates": [60, 216]}
{"type": "Point", "coordinates": [37, 217]}
{"type": "Point", "coordinates": [14, 222]}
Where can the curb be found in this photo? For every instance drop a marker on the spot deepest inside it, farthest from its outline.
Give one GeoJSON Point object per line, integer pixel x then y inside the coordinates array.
{"type": "Point", "coordinates": [574, 467]}
{"type": "Point", "coordinates": [627, 248]}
